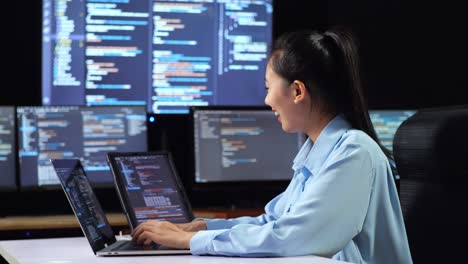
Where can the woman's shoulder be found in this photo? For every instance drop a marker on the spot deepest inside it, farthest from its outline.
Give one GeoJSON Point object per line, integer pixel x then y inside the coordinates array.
{"type": "Point", "coordinates": [357, 139]}
{"type": "Point", "coordinates": [356, 136]}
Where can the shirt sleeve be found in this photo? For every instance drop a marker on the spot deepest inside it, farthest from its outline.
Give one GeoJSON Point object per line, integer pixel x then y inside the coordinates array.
{"type": "Point", "coordinates": [327, 215]}
{"type": "Point", "coordinates": [272, 211]}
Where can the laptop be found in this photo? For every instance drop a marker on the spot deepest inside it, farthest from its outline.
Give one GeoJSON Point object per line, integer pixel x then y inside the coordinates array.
{"type": "Point", "coordinates": [91, 217]}
{"type": "Point", "coordinates": [149, 187]}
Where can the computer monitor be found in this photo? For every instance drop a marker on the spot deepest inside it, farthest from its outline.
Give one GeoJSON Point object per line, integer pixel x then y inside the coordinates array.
{"type": "Point", "coordinates": [7, 148]}
{"type": "Point", "coordinates": [167, 54]}
{"type": "Point", "coordinates": [241, 149]}
{"type": "Point", "coordinates": [83, 132]}
{"type": "Point", "coordinates": [386, 123]}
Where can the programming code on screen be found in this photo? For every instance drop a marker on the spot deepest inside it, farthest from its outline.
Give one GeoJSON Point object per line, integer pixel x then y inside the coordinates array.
{"type": "Point", "coordinates": [242, 146]}
{"type": "Point", "coordinates": [386, 123]}
{"type": "Point", "coordinates": [86, 133]}
{"type": "Point", "coordinates": [85, 204]}
{"type": "Point", "coordinates": [168, 55]}
{"type": "Point", "coordinates": [7, 148]}
{"type": "Point", "coordinates": [151, 188]}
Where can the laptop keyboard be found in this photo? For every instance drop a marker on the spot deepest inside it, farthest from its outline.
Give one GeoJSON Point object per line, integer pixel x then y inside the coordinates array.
{"type": "Point", "coordinates": [132, 246]}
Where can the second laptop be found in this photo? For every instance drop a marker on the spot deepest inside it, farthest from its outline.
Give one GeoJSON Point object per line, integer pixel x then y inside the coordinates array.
{"type": "Point", "coordinates": [149, 188]}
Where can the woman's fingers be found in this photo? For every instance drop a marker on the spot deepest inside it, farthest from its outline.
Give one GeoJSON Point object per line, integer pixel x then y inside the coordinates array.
{"type": "Point", "coordinates": [163, 233]}
{"type": "Point", "coordinates": [146, 226]}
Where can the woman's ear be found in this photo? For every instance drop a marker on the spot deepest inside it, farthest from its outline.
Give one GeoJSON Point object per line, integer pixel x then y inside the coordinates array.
{"type": "Point", "coordinates": [299, 91]}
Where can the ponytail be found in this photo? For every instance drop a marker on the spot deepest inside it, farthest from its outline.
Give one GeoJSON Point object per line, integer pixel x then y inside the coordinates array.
{"type": "Point", "coordinates": [353, 102]}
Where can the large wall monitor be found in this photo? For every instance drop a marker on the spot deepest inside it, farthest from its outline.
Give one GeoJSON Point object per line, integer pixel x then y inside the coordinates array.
{"type": "Point", "coordinates": [242, 145]}
{"type": "Point", "coordinates": [386, 123]}
{"type": "Point", "coordinates": [167, 54]}
{"type": "Point", "coordinates": [7, 148]}
{"type": "Point", "coordinates": [87, 133]}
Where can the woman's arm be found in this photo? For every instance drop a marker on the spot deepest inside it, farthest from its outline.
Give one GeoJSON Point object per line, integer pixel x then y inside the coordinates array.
{"type": "Point", "coordinates": [328, 214]}
{"type": "Point", "coordinates": [273, 210]}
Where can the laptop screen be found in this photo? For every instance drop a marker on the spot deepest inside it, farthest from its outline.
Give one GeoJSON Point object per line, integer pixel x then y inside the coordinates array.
{"type": "Point", "coordinates": [84, 203]}
{"type": "Point", "coordinates": [149, 187]}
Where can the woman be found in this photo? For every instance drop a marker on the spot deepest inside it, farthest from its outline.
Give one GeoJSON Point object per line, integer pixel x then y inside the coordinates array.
{"type": "Point", "coordinates": [342, 202]}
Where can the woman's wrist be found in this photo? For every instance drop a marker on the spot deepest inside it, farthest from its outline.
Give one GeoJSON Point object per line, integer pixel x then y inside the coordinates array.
{"type": "Point", "coordinates": [189, 237]}
{"type": "Point", "coordinates": [198, 225]}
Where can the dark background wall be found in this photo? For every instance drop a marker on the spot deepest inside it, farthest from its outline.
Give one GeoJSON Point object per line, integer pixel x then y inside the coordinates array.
{"type": "Point", "coordinates": [413, 55]}
{"type": "Point", "coordinates": [413, 52]}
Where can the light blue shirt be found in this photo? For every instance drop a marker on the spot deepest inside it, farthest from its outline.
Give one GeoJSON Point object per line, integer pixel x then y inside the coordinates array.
{"type": "Point", "coordinates": [342, 203]}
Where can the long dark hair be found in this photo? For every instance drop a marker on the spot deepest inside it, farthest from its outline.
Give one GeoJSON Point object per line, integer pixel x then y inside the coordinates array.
{"type": "Point", "coordinates": [328, 64]}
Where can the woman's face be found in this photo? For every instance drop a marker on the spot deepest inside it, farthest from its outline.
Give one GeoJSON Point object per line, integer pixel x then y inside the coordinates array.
{"type": "Point", "coordinates": [280, 97]}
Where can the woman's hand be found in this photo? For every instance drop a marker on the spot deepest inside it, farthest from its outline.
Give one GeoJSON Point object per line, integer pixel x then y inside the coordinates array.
{"type": "Point", "coordinates": [163, 233]}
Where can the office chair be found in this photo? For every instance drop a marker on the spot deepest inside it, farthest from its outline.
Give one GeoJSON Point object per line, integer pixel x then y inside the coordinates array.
{"type": "Point", "coordinates": [431, 155]}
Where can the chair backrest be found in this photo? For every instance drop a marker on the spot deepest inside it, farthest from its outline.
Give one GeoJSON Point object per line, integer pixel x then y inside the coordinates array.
{"type": "Point", "coordinates": [431, 155]}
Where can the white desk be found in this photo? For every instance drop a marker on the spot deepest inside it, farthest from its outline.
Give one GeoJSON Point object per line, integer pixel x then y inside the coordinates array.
{"type": "Point", "coordinates": [77, 250]}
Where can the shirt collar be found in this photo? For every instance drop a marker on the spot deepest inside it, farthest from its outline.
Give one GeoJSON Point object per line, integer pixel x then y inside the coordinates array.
{"type": "Point", "coordinates": [312, 155]}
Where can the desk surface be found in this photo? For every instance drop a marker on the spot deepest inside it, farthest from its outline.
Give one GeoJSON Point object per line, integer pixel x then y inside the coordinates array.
{"type": "Point", "coordinates": [77, 250]}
